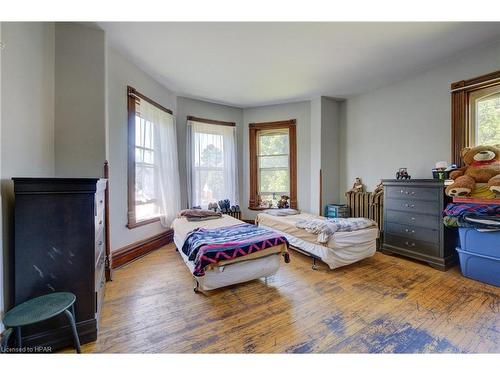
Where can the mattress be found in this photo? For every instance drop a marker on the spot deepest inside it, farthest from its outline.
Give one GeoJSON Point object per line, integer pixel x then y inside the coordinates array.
{"type": "Point", "coordinates": [286, 225]}
{"type": "Point", "coordinates": [235, 273]}
{"type": "Point", "coordinates": [254, 266]}
{"type": "Point", "coordinates": [342, 249]}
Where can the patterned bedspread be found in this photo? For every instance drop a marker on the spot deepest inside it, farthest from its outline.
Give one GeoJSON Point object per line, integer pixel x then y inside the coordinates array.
{"type": "Point", "coordinates": [210, 246]}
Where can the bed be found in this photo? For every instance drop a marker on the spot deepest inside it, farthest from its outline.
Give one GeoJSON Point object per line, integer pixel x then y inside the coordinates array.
{"type": "Point", "coordinates": [342, 248]}
{"type": "Point", "coordinates": [253, 265]}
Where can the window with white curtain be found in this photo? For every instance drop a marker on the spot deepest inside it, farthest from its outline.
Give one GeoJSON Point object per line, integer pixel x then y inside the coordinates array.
{"type": "Point", "coordinates": [154, 192]}
{"type": "Point", "coordinates": [212, 162]}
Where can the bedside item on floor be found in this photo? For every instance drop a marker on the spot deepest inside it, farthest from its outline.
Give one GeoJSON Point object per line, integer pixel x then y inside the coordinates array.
{"type": "Point", "coordinates": [59, 245]}
{"type": "Point", "coordinates": [357, 187]}
{"type": "Point", "coordinates": [336, 211]}
{"type": "Point", "coordinates": [479, 254]}
{"type": "Point", "coordinates": [283, 202]}
{"type": "Point", "coordinates": [413, 224]}
{"type": "Point", "coordinates": [40, 309]}
{"type": "Point", "coordinates": [481, 165]}
{"type": "Point", "coordinates": [402, 174]}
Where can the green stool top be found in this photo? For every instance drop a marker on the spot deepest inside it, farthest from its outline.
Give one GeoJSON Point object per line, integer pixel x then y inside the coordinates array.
{"type": "Point", "coordinates": [38, 309]}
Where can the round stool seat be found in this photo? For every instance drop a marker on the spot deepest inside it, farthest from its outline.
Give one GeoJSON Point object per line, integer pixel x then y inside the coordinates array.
{"type": "Point", "coordinates": [39, 309]}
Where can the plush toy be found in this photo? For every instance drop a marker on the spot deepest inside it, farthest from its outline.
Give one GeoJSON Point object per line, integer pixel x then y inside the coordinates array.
{"type": "Point", "coordinates": [283, 202]}
{"type": "Point", "coordinates": [357, 187]}
{"type": "Point", "coordinates": [482, 165]}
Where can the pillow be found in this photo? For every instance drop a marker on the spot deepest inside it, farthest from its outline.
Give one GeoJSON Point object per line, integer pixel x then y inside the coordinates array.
{"type": "Point", "coordinates": [199, 213]}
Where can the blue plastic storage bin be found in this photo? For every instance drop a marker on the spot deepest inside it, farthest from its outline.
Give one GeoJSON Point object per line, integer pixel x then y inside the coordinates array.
{"type": "Point", "coordinates": [480, 267]}
{"type": "Point", "coordinates": [483, 243]}
{"type": "Point", "coordinates": [336, 210]}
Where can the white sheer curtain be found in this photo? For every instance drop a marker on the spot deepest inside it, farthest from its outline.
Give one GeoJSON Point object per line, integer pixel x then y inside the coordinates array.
{"type": "Point", "coordinates": [212, 165]}
{"type": "Point", "coordinates": [166, 179]}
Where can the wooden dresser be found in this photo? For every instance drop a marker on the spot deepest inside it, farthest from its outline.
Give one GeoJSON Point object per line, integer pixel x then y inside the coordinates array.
{"type": "Point", "coordinates": [59, 246]}
{"type": "Point", "coordinates": [413, 224]}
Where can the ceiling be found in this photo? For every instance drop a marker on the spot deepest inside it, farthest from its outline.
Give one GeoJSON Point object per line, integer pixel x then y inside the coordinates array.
{"type": "Point", "coordinates": [250, 64]}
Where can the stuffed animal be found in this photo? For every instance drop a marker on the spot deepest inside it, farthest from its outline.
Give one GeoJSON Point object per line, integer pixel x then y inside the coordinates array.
{"type": "Point", "coordinates": [357, 187]}
{"type": "Point", "coordinates": [283, 202]}
{"type": "Point", "coordinates": [482, 165]}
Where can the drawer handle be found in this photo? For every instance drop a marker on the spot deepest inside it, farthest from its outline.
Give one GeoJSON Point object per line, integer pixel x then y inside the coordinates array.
{"type": "Point", "coordinates": [411, 244]}
{"type": "Point", "coordinates": [412, 193]}
{"type": "Point", "coordinates": [100, 201]}
{"type": "Point", "coordinates": [99, 243]}
{"type": "Point", "coordinates": [413, 219]}
{"type": "Point", "coordinates": [409, 231]}
{"type": "Point", "coordinates": [409, 205]}
{"type": "Point", "coordinates": [100, 222]}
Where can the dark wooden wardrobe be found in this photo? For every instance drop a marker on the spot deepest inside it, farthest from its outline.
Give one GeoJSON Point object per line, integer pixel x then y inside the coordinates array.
{"type": "Point", "coordinates": [59, 246]}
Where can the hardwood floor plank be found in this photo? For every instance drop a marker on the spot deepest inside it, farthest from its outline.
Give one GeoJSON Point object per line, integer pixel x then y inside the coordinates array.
{"type": "Point", "coordinates": [381, 304]}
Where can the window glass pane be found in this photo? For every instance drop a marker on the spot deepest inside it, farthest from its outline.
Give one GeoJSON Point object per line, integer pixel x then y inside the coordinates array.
{"type": "Point", "coordinates": [209, 183]}
{"type": "Point", "coordinates": [488, 120]}
{"type": "Point", "coordinates": [144, 184]}
{"type": "Point", "coordinates": [274, 180]}
{"type": "Point", "coordinates": [146, 211]}
{"type": "Point", "coordinates": [269, 200]}
{"type": "Point", "coordinates": [273, 143]}
{"type": "Point", "coordinates": [273, 161]}
{"type": "Point", "coordinates": [208, 150]}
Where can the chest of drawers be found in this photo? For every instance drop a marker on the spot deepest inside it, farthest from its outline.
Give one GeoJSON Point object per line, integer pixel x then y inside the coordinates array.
{"type": "Point", "coordinates": [413, 224]}
{"type": "Point", "coordinates": [59, 246]}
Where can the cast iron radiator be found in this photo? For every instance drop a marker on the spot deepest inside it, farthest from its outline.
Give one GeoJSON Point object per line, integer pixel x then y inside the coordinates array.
{"type": "Point", "coordinates": [369, 205]}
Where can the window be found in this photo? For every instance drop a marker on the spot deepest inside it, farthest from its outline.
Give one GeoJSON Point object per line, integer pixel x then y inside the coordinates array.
{"type": "Point", "coordinates": [153, 176]}
{"type": "Point", "coordinates": [485, 116]}
{"type": "Point", "coordinates": [212, 162]}
{"type": "Point", "coordinates": [272, 163]}
{"type": "Point", "coordinates": [475, 113]}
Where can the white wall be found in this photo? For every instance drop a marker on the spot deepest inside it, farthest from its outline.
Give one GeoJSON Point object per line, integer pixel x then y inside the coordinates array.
{"type": "Point", "coordinates": [80, 101]}
{"type": "Point", "coordinates": [27, 116]}
{"type": "Point", "coordinates": [120, 73]}
{"type": "Point", "coordinates": [301, 111]}
{"type": "Point", "coordinates": [406, 124]}
{"type": "Point", "coordinates": [192, 107]}
{"type": "Point", "coordinates": [330, 151]}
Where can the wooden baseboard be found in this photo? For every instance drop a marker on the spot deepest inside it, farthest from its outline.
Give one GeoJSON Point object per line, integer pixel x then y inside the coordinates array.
{"type": "Point", "coordinates": [133, 251]}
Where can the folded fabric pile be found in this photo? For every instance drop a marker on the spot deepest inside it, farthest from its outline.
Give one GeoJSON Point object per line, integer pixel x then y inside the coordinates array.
{"type": "Point", "coordinates": [197, 214]}
{"type": "Point", "coordinates": [282, 212]}
{"type": "Point", "coordinates": [472, 215]}
{"type": "Point", "coordinates": [325, 228]}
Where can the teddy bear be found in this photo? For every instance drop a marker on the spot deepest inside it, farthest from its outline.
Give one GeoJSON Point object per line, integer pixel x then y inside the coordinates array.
{"type": "Point", "coordinates": [482, 165]}
{"type": "Point", "coordinates": [283, 202]}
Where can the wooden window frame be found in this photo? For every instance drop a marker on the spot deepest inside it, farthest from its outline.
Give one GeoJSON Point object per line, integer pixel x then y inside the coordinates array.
{"type": "Point", "coordinates": [254, 128]}
{"type": "Point", "coordinates": [212, 122]}
{"type": "Point", "coordinates": [461, 129]}
{"type": "Point", "coordinates": [132, 96]}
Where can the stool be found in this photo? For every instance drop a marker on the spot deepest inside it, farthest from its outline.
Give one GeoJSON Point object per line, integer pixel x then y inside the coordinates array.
{"type": "Point", "coordinates": [42, 308]}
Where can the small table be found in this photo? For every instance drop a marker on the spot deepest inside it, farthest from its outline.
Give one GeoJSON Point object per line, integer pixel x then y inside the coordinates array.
{"type": "Point", "coordinates": [42, 308]}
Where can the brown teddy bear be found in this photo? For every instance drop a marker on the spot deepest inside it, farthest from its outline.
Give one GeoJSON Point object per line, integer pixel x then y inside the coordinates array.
{"type": "Point", "coordinates": [482, 164]}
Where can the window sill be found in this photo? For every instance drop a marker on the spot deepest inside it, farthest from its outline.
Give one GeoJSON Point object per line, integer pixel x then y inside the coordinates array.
{"type": "Point", "coordinates": [261, 208]}
{"type": "Point", "coordinates": [132, 225]}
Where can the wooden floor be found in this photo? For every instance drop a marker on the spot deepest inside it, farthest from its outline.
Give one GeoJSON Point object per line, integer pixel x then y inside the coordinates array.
{"type": "Point", "coordinates": [382, 304]}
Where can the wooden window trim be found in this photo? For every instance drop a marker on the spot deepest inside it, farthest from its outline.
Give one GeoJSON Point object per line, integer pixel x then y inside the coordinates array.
{"type": "Point", "coordinates": [461, 132]}
{"type": "Point", "coordinates": [208, 121]}
{"type": "Point", "coordinates": [292, 133]}
{"type": "Point", "coordinates": [132, 96]}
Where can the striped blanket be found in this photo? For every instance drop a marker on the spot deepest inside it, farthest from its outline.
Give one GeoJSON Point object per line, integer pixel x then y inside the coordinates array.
{"type": "Point", "coordinates": [325, 228]}
{"type": "Point", "coordinates": [210, 246]}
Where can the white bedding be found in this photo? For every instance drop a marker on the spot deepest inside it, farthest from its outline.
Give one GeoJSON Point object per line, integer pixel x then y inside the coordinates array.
{"type": "Point", "coordinates": [230, 274]}
{"type": "Point", "coordinates": [342, 249]}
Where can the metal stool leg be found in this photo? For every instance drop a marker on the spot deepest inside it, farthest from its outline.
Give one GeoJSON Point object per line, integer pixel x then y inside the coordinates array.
{"type": "Point", "coordinates": [19, 338]}
{"type": "Point", "coordinates": [71, 319]}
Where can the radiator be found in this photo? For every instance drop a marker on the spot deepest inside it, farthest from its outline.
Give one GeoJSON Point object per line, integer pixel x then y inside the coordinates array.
{"type": "Point", "coordinates": [367, 205]}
